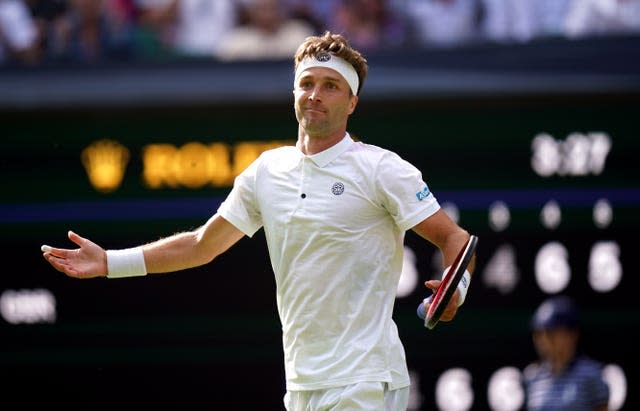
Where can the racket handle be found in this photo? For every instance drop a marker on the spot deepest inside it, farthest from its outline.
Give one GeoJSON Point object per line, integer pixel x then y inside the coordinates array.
{"type": "Point", "coordinates": [422, 311]}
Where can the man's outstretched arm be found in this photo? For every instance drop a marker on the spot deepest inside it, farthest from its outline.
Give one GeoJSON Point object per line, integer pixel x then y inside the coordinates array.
{"type": "Point", "coordinates": [177, 252]}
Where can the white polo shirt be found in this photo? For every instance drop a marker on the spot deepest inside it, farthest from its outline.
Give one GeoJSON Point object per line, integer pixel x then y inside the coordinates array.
{"type": "Point", "coordinates": [334, 224]}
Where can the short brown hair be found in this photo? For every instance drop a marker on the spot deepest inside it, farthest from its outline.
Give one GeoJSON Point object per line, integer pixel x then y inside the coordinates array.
{"type": "Point", "coordinates": [336, 44]}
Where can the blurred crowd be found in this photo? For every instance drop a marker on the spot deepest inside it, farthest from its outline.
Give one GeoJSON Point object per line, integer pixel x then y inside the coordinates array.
{"type": "Point", "coordinates": [40, 32]}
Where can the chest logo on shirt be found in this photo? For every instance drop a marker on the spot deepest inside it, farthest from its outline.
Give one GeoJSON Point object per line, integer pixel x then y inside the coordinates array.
{"type": "Point", "coordinates": [337, 189]}
{"type": "Point", "coordinates": [421, 195]}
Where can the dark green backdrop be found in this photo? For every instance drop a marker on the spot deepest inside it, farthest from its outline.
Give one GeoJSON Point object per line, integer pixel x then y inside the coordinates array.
{"type": "Point", "coordinates": [210, 335]}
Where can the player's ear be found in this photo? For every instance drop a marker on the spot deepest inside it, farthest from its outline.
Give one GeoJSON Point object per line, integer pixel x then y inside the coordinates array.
{"type": "Point", "coordinates": [353, 102]}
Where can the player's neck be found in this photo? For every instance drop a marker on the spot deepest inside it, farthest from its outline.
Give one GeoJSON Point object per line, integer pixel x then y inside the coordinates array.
{"type": "Point", "coordinates": [311, 144]}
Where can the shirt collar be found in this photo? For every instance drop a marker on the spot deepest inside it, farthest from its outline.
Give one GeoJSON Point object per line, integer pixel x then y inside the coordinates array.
{"type": "Point", "coordinates": [323, 158]}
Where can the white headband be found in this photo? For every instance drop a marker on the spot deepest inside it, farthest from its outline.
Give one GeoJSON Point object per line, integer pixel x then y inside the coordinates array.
{"type": "Point", "coordinates": [331, 61]}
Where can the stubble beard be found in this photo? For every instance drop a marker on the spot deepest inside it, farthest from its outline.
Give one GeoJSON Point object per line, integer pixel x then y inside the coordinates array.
{"type": "Point", "coordinates": [314, 127]}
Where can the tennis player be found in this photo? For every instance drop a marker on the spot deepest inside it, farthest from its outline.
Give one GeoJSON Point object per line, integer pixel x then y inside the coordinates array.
{"type": "Point", "coordinates": [563, 379]}
{"type": "Point", "coordinates": [334, 213]}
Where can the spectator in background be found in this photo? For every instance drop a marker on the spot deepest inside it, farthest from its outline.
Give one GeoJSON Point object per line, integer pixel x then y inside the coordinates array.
{"type": "Point", "coordinates": [19, 35]}
{"type": "Point", "coordinates": [443, 23]}
{"type": "Point", "coordinates": [598, 17]}
{"type": "Point", "coordinates": [267, 32]}
{"type": "Point", "coordinates": [562, 379]}
{"type": "Point", "coordinates": [506, 21]}
{"type": "Point", "coordinates": [185, 27]}
{"type": "Point", "coordinates": [155, 30]}
{"type": "Point", "coordinates": [93, 31]}
{"type": "Point", "coordinates": [48, 15]}
{"type": "Point", "coordinates": [550, 16]}
{"type": "Point", "coordinates": [371, 25]}
{"type": "Point", "coordinates": [313, 12]}
{"type": "Point", "coordinates": [525, 20]}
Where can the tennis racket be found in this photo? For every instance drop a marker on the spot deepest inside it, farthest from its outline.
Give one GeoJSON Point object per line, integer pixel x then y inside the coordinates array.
{"type": "Point", "coordinates": [447, 288]}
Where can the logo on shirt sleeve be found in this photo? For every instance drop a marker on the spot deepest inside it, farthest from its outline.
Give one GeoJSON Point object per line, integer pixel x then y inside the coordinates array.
{"type": "Point", "coordinates": [423, 194]}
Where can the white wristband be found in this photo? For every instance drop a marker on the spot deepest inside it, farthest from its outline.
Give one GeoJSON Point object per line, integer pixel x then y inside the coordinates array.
{"type": "Point", "coordinates": [463, 286]}
{"type": "Point", "coordinates": [125, 263]}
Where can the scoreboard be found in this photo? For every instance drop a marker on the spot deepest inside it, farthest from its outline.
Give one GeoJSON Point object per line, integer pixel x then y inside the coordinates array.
{"type": "Point", "coordinates": [550, 185]}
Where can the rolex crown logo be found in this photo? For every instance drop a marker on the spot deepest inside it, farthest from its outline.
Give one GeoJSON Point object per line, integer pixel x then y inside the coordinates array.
{"type": "Point", "coordinates": [105, 162]}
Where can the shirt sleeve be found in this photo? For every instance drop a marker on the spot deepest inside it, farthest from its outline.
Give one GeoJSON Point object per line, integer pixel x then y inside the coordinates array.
{"type": "Point", "coordinates": [240, 207]}
{"type": "Point", "coordinates": [403, 191]}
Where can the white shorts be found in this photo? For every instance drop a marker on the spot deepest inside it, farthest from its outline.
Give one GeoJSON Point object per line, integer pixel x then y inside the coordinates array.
{"type": "Point", "coordinates": [363, 396]}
